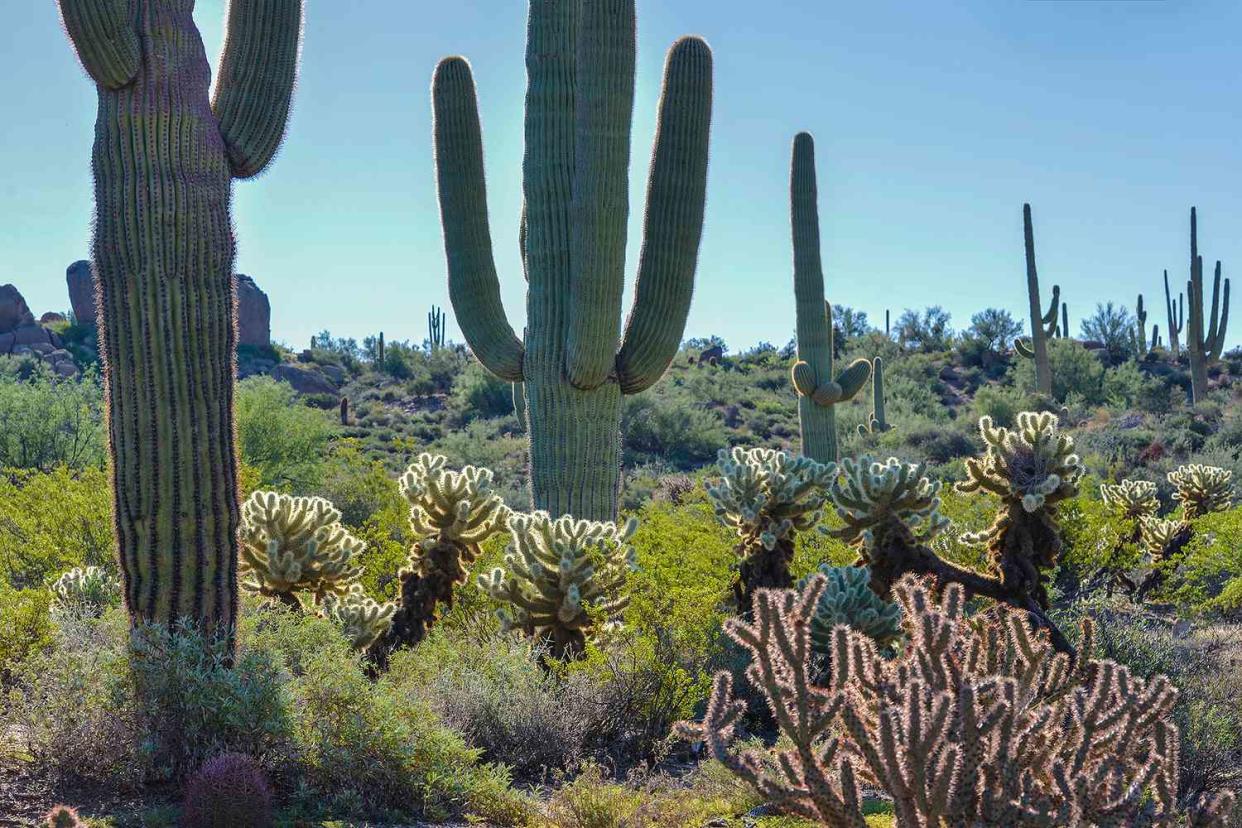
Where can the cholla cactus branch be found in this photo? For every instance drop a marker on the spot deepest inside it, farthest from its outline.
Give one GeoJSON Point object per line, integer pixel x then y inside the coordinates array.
{"type": "Point", "coordinates": [848, 599]}
{"type": "Point", "coordinates": [974, 725]}
{"type": "Point", "coordinates": [451, 514]}
{"type": "Point", "coordinates": [296, 544]}
{"type": "Point", "coordinates": [767, 497]}
{"type": "Point", "coordinates": [1030, 469]}
{"type": "Point", "coordinates": [361, 619]}
{"type": "Point", "coordinates": [88, 589]}
{"type": "Point", "coordinates": [1131, 499]}
{"type": "Point", "coordinates": [561, 577]}
{"type": "Point", "coordinates": [1202, 489]}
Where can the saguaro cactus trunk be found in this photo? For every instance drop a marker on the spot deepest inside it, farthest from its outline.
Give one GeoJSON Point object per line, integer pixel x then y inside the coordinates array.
{"type": "Point", "coordinates": [1177, 316]}
{"type": "Point", "coordinates": [1203, 346]}
{"type": "Point", "coordinates": [163, 161]}
{"type": "Point", "coordinates": [819, 388]}
{"type": "Point", "coordinates": [579, 102]}
{"type": "Point", "coordinates": [1043, 325]}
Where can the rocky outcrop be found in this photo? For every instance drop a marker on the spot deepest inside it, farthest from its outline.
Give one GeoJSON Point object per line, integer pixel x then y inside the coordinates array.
{"type": "Point", "coordinates": [305, 380]}
{"type": "Point", "coordinates": [14, 312]}
{"type": "Point", "coordinates": [81, 283]}
{"type": "Point", "coordinates": [254, 314]}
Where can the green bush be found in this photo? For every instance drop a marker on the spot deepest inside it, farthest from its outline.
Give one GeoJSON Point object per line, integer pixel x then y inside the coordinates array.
{"type": "Point", "coordinates": [47, 420]}
{"type": "Point", "coordinates": [50, 523]}
{"type": "Point", "coordinates": [1076, 373]}
{"type": "Point", "coordinates": [1209, 577]}
{"type": "Point", "coordinates": [477, 392]}
{"type": "Point", "coordinates": [285, 440]}
{"type": "Point", "coordinates": [25, 627]}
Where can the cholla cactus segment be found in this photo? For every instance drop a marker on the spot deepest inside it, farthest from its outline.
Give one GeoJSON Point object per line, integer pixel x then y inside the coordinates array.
{"type": "Point", "coordinates": [1158, 535]}
{"type": "Point", "coordinates": [848, 599]}
{"type": "Point", "coordinates": [877, 498]}
{"type": "Point", "coordinates": [1132, 499]}
{"type": "Point", "coordinates": [974, 724]}
{"type": "Point", "coordinates": [1202, 489]}
{"type": "Point", "coordinates": [561, 576]}
{"type": "Point", "coordinates": [360, 618]}
{"type": "Point", "coordinates": [447, 505]}
{"type": "Point", "coordinates": [90, 589]}
{"type": "Point", "coordinates": [1033, 464]}
{"type": "Point", "coordinates": [768, 495]}
{"type": "Point", "coordinates": [296, 544]}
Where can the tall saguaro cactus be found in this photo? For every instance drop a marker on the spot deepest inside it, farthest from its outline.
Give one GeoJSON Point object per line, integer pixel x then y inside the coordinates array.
{"type": "Point", "coordinates": [164, 158]}
{"type": "Point", "coordinates": [1043, 325]}
{"type": "Point", "coordinates": [819, 388]}
{"type": "Point", "coordinates": [579, 102]}
{"type": "Point", "coordinates": [1177, 315]}
{"type": "Point", "coordinates": [1204, 346]}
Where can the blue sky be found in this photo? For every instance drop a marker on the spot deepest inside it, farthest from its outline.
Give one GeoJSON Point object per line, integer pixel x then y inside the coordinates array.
{"type": "Point", "coordinates": [934, 122]}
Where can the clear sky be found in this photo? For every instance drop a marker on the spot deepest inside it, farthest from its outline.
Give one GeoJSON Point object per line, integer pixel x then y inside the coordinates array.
{"type": "Point", "coordinates": [934, 122]}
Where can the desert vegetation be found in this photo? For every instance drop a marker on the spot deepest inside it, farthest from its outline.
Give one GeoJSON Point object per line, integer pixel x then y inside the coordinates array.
{"type": "Point", "coordinates": [597, 574]}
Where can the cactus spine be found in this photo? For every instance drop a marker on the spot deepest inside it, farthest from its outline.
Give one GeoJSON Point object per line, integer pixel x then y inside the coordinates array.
{"type": "Point", "coordinates": [877, 422]}
{"type": "Point", "coordinates": [819, 388]}
{"type": "Point", "coordinates": [1204, 346]}
{"type": "Point", "coordinates": [579, 102]}
{"type": "Point", "coordinates": [435, 328]}
{"type": "Point", "coordinates": [164, 158]}
{"type": "Point", "coordinates": [1043, 325]}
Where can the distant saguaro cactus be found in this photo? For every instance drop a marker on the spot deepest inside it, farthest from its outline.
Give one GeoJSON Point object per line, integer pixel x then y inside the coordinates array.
{"type": "Point", "coordinates": [1141, 348]}
{"type": "Point", "coordinates": [164, 159]}
{"type": "Point", "coordinates": [435, 328]}
{"type": "Point", "coordinates": [877, 422]}
{"type": "Point", "coordinates": [1043, 325]}
{"type": "Point", "coordinates": [1204, 346]}
{"type": "Point", "coordinates": [579, 103]}
{"type": "Point", "coordinates": [815, 379]}
{"type": "Point", "coordinates": [1177, 315]}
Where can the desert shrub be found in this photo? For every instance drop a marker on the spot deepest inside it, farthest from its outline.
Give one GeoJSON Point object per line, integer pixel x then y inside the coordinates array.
{"type": "Point", "coordinates": [1126, 386]}
{"type": "Point", "coordinates": [25, 627]}
{"type": "Point", "coordinates": [477, 392]}
{"type": "Point", "coordinates": [1002, 403]}
{"type": "Point", "coordinates": [1113, 325]}
{"type": "Point", "coordinates": [928, 331]}
{"type": "Point", "coordinates": [229, 791]}
{"type": "Point", "coordinates": [285, 440]}
{"type": "Point", "coordinates": [359, 486]}
{"type": "Point", "coordinates": [492, 690]}
{"type": "Point", "coordinates": [52, 522]}
{"type": "Point", "coordinates": [677, 432]}
{"type": "Point", "coordinates": [48, 421]}
{"type": "Point", "coordinates": [1076, 373]}
{"type": "Point", "coordinates": [1209, 575]}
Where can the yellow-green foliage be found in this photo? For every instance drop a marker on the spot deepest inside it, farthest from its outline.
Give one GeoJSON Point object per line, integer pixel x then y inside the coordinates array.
{"type": "Point", "coordinates": [1202, 489]}
{"type": "Point", "coordinates": [25, 626]}
{"type": "Point", "coordinates": [766, 495]}
{"type": "Point", "coordinates": [52, 522]}
{"type": "Point", "coordinates": [296, 544]}
{"type": "Point", "coordinates": [1209, 575]}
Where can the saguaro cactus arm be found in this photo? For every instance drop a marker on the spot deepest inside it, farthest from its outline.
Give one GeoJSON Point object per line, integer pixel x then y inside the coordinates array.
{"type": "Point", "coordinates": [254, 89]}
{"type": "Point", "coordinates": [473, 285]}
{"type": "Point", "coordinates": [104, 38]}
{"type": "Point", "coordinates": [599, 205]}
{"type": "Point", "coordinates": [673, 225]}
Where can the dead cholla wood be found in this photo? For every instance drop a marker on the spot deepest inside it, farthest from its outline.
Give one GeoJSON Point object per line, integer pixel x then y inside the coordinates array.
{"type": "Point", "coordinates": [974, 725]}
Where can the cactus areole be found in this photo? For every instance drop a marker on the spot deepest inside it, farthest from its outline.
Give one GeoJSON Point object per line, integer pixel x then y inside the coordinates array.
{"type": "Point", "coordinates": [575, 363]}
{"type": "Point", "coordinates": [164, 158]}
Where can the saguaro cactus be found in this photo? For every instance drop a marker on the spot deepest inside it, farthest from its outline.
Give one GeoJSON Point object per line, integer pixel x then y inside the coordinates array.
{"type": "Point", "coordinates": [164, 157]}
{"type": "Point", "coordinates": [1204, 346]}
{"type": "Point", "coordinates": [819, 387]}
{"type": "Point", "coordinates": [435, 328]}
{"type": "Point", "coordinates": [1141, 348]}
{"type": "Point", "coordinates": [1043, 325]}
{"type": "Point", "coordinates": [579, 102]}
{"type": "Point", "coordinates": [1177, 316]}
{"type": "Point", "coordinates": [877, 422]}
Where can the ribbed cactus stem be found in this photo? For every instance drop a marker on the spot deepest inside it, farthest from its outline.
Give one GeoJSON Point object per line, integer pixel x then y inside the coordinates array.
{"type": "Point", "coordinates": [1140, 329]}
{"type": "Point", "coordinates": [163, 161]}
{"type": "Point", "coordinates": [1177, 315]}
{"type": "Point", "coordinates": [1038, 348]}
{"type": "Point", "coordinates": [574, 361]}
{"type": "Point", "coordinates": [1065, 321]}
{"type": "Point", "coordinates": [877, 422]}
{"type": "Point", "coordinates": [435, 328]}
{"type": "Point", "coordinates": [1204, 346]}
{"type": "Point", "coordinates": [819, 387]}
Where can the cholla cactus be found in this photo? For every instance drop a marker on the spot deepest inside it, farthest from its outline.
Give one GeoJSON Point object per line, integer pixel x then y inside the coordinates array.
{"type": "Point", "coordinates": [1202, 489]}
{"type": "Point", "coordinates": [976, 724]}
{"type": "Point", "coordinates": [847, 599]}
{"type": "Point", "coordinates": [86, 589]}
{"type": "Point", "coordinates": [1132, 499]}
{"type": "Point", "coordinates": [1163, 541]}
{"type": "Point", "coordinates": [296, 544]}
{"type": "Point", "coordinates": [767, 496]}
{"type": "Point", "coordinates": [1031, 469]}
{"type": "Point", "coordinates": [561, 577]}
{"type": "Point", "coordinates": [361, 619]}
{"type": "Point", "coordinates": [451, 514]}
